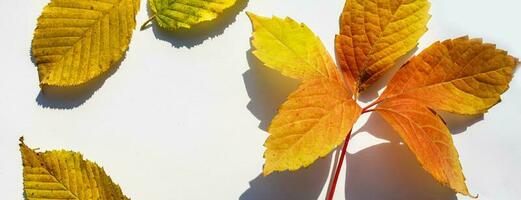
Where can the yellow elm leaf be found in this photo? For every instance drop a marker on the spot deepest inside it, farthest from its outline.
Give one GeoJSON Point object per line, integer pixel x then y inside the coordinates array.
{"type": "Point", "coordinates": [427, 136]}
{"type": "Point", "coordinates": [314, 120]}
{"type": "Point", "coordinates": [77, 40]}
{"type": "Point", "coordinates": [291, 48]}
{"type": "Point", "coordinates": [374, 34]}
{"type": "Point", "coordinates": [65, 175]}
{"type": "Point", "coordinates": [462, 75]}
{"type": "Point", "coordinates": [174, 14]}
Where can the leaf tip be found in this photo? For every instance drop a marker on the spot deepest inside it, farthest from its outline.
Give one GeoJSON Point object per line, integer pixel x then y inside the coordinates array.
{"type": "Point", "coordinates": [467, 193]}
{"type": "Point", "coordinates": [254, 19]}
{"type": "Point", "coordinates": [145, 24]}
{"type": "Point", "coordinates": [22, 143]}
{"type": "Point", "coordinates": [257, 18]}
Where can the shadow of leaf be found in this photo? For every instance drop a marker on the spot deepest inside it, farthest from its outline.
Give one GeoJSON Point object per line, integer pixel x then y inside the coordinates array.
{"type": "Point", "coordinates": [389, 171]}
{"type": "Point", "coordinates": [303, 184]}
{"type": "Point", "coordinates": [267, 90]}
{"type": "Point", "coordinates": [198, 33]}
{"type": "Point", "coordinates": [459, 123]}
{"type": "Point", "coordinates": [379, 128]}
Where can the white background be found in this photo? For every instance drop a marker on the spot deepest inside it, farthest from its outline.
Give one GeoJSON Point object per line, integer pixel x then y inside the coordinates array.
{"type": "Point", "coordinates": [183, 116]}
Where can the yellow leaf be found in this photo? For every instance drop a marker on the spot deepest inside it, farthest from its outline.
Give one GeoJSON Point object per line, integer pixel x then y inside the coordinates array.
{"type": "Point", "coordinates": [313, 121]}
{"type": "Point", "coordinates": [428, 138]}
{"type": "Point", "coordinates": [318, 116]}
{"type": "Point", "coordinates": [65, 175]}
{"type": "Point", "coordinates": [291, 48]}
{"type": "Point", "coordinates": [174, 14]}
{"type": "Point", "coordinates": [374, 34]}
{"type": "Point", "coordinates": [461, 75]}
{"type": "Point", "coordinates": [77, 40]}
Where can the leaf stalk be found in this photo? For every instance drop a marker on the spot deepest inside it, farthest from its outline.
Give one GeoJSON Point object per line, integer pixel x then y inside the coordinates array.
{"type": "Point", "coordinates": [144, 26]}
{"type": "Point", "coordinates": [368, 107]}
{"type": "Point", "coordinates": [331, 192]}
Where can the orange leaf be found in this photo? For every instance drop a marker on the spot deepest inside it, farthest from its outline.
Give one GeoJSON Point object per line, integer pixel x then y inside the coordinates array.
{"type": "Point", "coordinates": [462, 76]}
{"type": "Point", "coordinates": [374, 34]}
{"type": "Point", "coordinates": [426, 135]}
{"type": "Point", "coordinates": [311, 123]}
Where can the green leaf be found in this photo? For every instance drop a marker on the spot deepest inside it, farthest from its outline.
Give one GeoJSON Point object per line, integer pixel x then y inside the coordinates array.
{"type": "Point", "coordinates": [174, 14]}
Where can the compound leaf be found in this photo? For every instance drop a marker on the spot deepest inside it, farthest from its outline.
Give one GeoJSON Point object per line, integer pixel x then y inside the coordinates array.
{"type": "Point", "coordinates": [463, 76]}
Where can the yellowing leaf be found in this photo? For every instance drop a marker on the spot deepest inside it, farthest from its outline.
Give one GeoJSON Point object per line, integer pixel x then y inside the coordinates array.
{"type": "Point", "coordinates": [174, 14]}
{"type": "Point", "coordinates": [291, 48]}
{"type": "Point", "coordinates": [313, 121]}
{"type": "Point", "coordinates": [65, 175]}
{"type": "Point", "coordinates": [318, 116]}
{"type": "Point", "coordinates": [428, 138]}
{"type": "Point", "coordinates": [77, 40]}
{"type": "Point", "coordinates": [462, 76]}
{"type": "Point", "coordinates": [374, 34]}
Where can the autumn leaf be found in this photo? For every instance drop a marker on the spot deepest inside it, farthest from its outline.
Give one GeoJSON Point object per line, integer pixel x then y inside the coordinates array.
{"type": "Point", "coordinates": [313, 121]}
{"type": "Point", "coordinates": [291, 48]}
{"type": "Point", "coordinates": [463, 76]}
{"type": "Point", "coordinates": [374, 34]}
{"type": "Point", "coordinates": [77, 40]}
{"type": "Point", "coordinates": [61, 174]}
{"type": "Point", "coordinates": [317, 117]}
{"type": "Point", "coordinates": [175, 14]}
{"type": "Point", "coordinates": [428, 138]}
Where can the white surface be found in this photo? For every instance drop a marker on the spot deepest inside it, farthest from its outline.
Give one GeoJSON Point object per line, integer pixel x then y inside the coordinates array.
{"type": "Point", "coordinates": [182, 123]}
